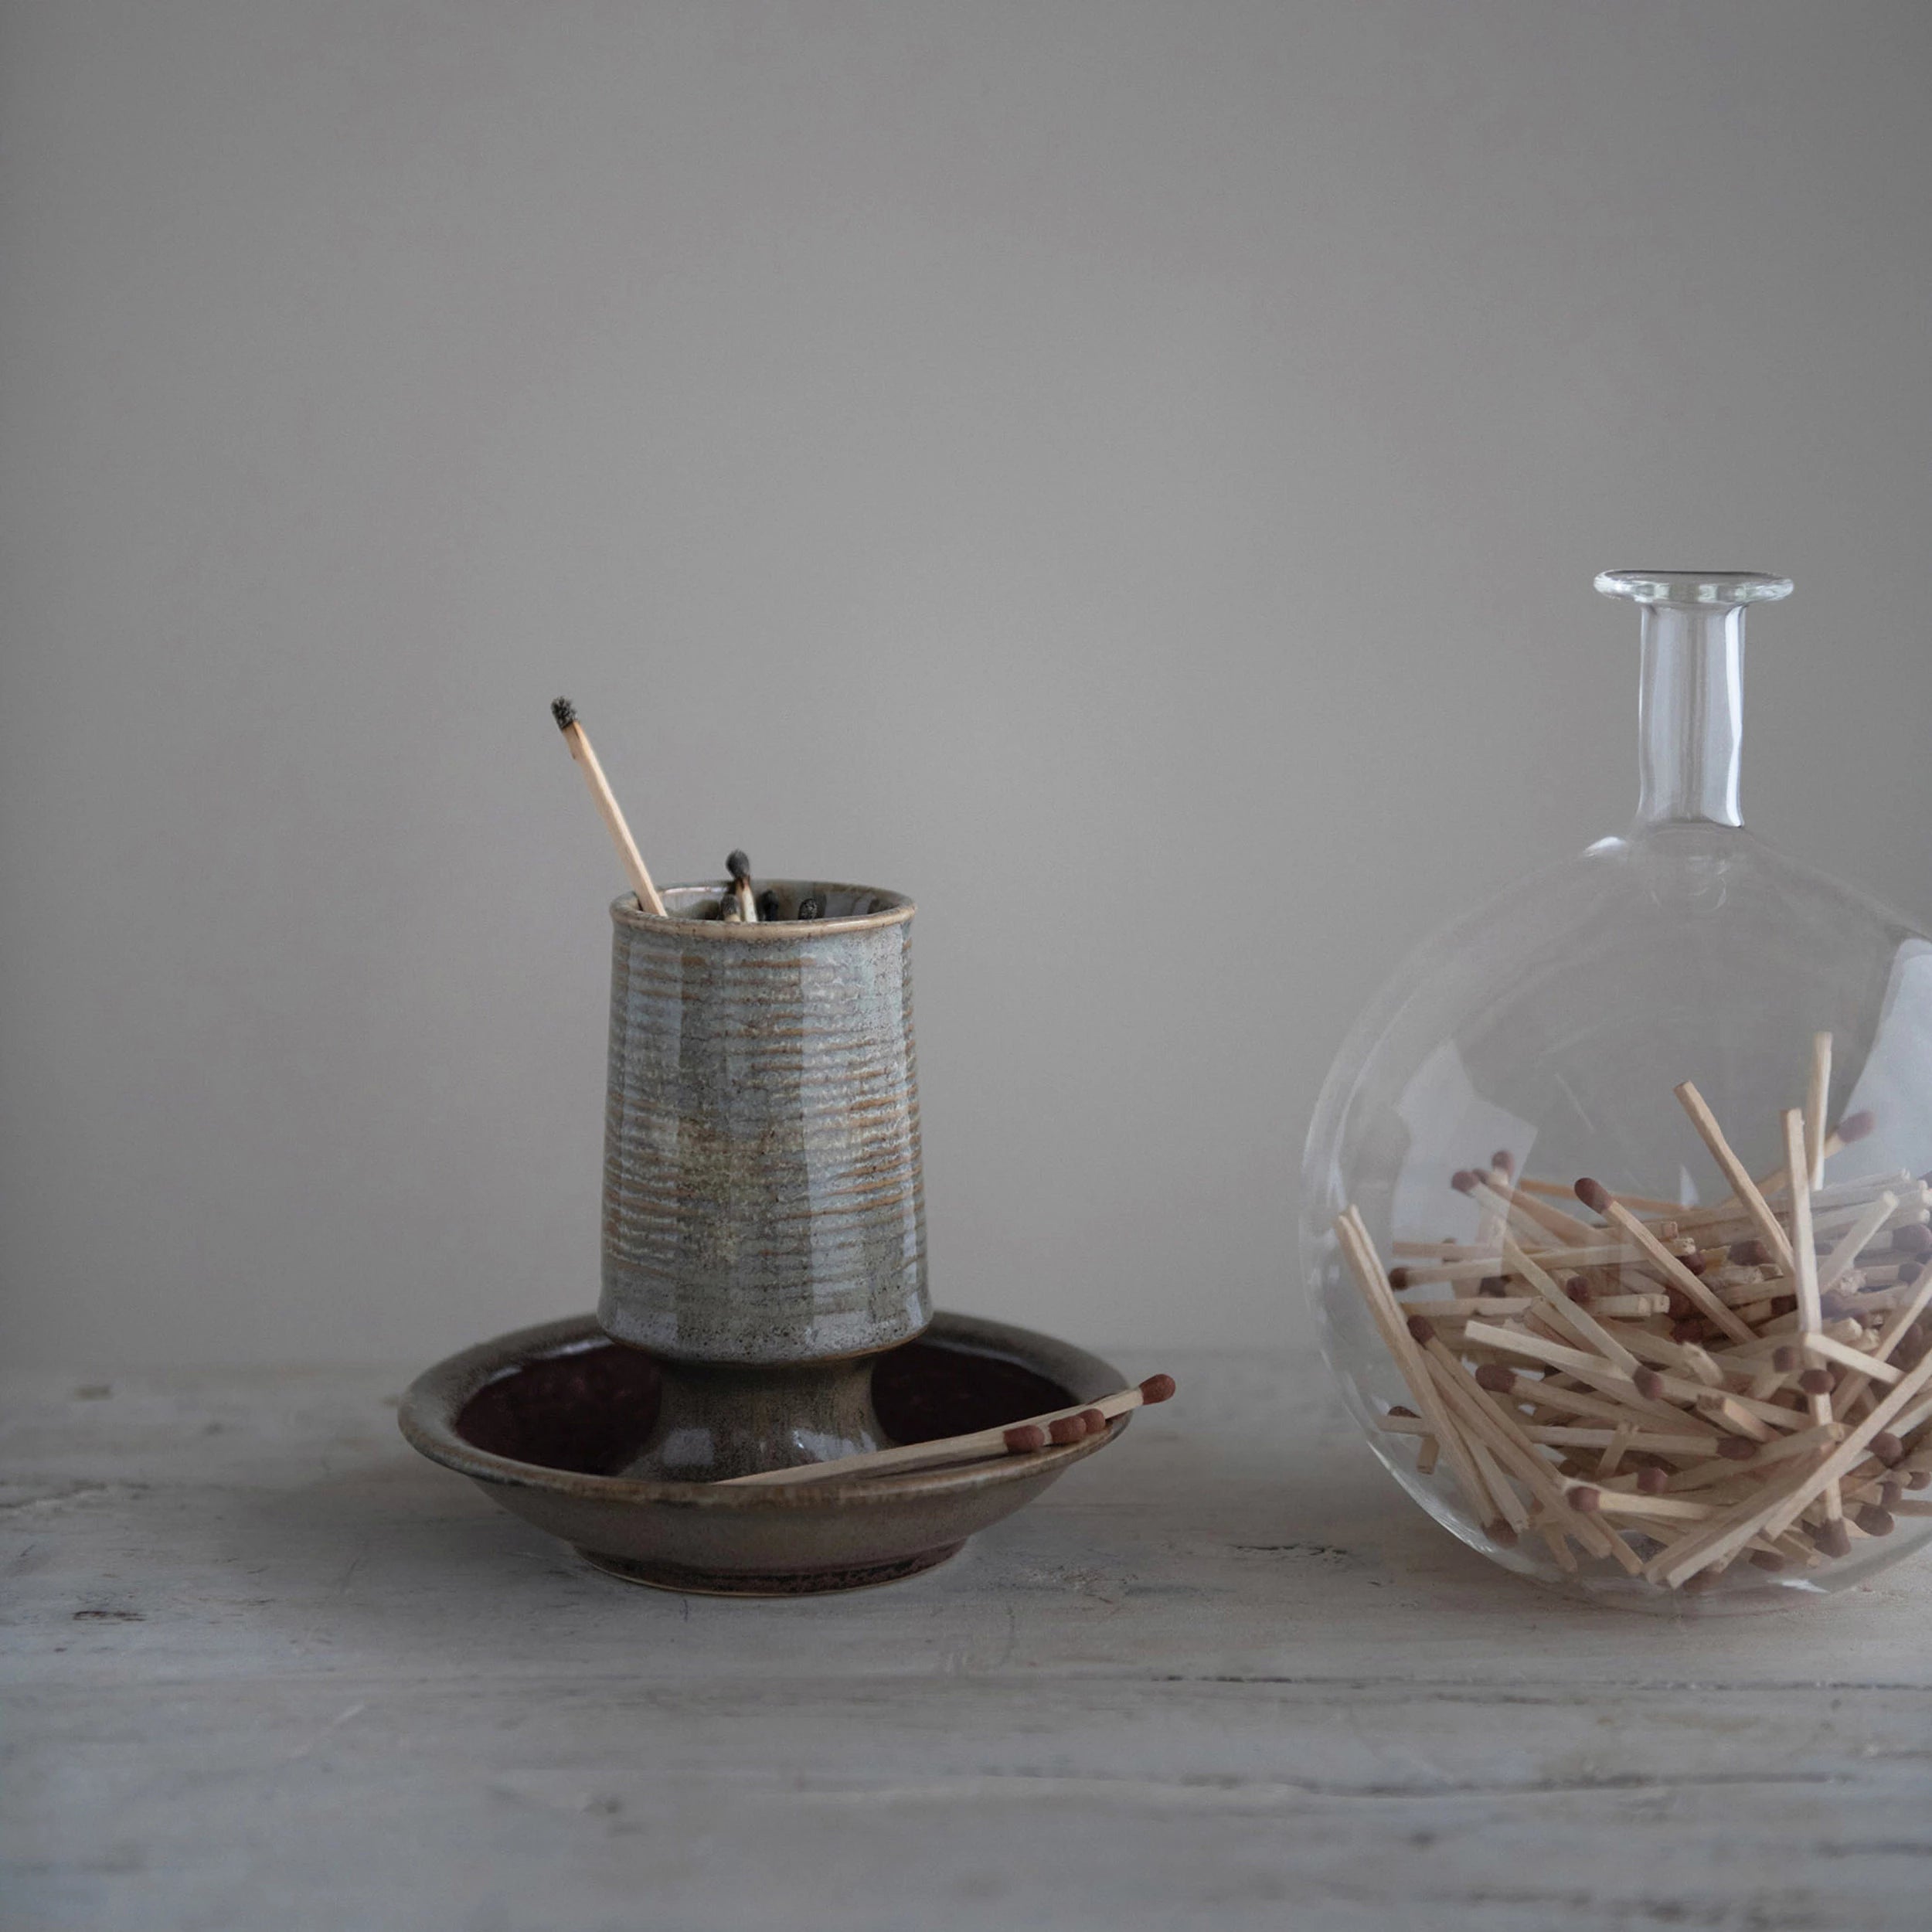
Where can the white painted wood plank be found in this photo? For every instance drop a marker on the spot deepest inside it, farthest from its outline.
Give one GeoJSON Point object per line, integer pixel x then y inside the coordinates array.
{"type": "Point", "coordinates": [262, 1666]}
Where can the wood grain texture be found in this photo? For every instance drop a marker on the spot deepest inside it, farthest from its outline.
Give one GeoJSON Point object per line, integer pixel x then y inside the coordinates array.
{"type": "Point", "coordinates": [262, 1666]}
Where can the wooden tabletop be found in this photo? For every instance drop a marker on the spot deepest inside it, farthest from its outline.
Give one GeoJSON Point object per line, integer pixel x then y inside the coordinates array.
{"type": "Point", "coordinates": [263, 1668]}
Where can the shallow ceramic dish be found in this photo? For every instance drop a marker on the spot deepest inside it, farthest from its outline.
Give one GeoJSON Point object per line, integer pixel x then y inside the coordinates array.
{"type": "Point", "coordinates": [536, 1419]}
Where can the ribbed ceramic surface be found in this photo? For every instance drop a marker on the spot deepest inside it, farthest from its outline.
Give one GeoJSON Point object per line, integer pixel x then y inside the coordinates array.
{"type": "Point", "coordinates": [762, 1197]}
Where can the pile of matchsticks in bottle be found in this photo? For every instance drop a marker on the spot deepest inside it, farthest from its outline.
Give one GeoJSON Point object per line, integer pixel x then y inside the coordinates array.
{"type": "Point", "coordinates": [1674, 1389]}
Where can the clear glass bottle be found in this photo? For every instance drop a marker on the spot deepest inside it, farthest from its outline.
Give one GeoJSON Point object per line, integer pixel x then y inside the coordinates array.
{"type": "Point", "coordinates": [1542, 1040]}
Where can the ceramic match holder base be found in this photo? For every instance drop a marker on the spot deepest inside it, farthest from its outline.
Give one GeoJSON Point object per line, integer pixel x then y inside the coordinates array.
{"type": "Point", "coordinates": [545, 1421]}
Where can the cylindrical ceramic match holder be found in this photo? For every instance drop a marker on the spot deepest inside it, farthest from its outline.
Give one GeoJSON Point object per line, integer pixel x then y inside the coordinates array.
{"type": "Point", "coordinates": [763, 1219]}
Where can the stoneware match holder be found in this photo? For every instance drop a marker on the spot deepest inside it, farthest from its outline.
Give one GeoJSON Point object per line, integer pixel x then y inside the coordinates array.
{"type": "Point", "coordinates": [764, 1227]}
{"type": "Point", "coordinates": [544, 1420]}
{"type": "Point", "coordinates": [764, 1295]}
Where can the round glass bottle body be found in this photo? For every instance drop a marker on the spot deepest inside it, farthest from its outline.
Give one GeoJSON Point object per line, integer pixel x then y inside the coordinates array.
{"type": "Point", "coordinates": [1686, 1406]}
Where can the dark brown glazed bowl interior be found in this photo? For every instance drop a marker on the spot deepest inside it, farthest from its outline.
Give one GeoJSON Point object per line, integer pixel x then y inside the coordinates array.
{"type": "Point", "coordinates": [590, 1411]}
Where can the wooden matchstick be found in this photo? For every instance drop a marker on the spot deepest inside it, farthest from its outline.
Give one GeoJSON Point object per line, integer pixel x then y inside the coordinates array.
{"type": "Point", "coordinates": [1871, 1366]}
{"type": "Point", "coordinates": [1798, 1165]}
{"type": "Point", "coordinates": [1836, 1265]}
{"type": "Point", "coordinates": [1538, 1219]}
{"type": "Point", "coordinates": [1817, 1099]}
{"type": "Point", "coordinates": [1461, 1308]}
{"type": "Point", "coordinates": [1055, 1428]}
{"type": "Point", "coordinates": [1509, 1505]}
{"type": "Point", "coordinates": [1654, 1443]}
{"type": "Point", "coordinates": [1595, 1196]}
{"type": "Point", "coordinates": [1592, 1369]}
{"type": "Point", "coordinates": [1629, 1389]}
{"type": "Point", "coordinates": [1494, 1223]}
{"type": "Point", "coordinates": [1390, 1321]}
{"type": "Point", "coordinates": [1592, 1500]}
{"type": "Point", "coordinates": [1770, 1230]}
{"type": "Point", "coordinates": [738, 866]}
{"type": "Point", "coordinates": [1584, 1326]}
{"type": "Point", "coordinates": [1643, 1204]}
{"type": "Point", "coordinates": [565, 713]}
{"type": "Point", "coordinates": [1581, 1402]}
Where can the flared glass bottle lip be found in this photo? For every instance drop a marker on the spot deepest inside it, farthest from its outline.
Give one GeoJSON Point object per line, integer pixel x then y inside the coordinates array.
{"type": "Point", "coordinates": [1694, 588]}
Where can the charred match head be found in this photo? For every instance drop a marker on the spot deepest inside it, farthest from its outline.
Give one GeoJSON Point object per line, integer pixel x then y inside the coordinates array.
{"type": "Point", "coordinates": [738, 866]}
{"type": "Point", "coordinates": [564, 711]}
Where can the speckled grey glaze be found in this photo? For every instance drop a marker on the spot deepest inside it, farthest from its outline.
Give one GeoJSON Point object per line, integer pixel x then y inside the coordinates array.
{"type": "Point", "coordinates": [762, 1199]}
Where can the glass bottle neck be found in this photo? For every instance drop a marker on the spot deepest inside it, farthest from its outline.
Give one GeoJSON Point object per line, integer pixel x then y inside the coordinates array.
{"type": "Point", "coordinates": [1690, 710]}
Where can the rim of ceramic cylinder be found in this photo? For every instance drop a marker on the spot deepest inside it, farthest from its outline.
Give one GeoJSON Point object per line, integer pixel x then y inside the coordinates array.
{"type": "Point", "coordinates": [627, 911]}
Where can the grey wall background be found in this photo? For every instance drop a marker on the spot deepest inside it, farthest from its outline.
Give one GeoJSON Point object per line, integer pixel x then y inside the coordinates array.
{"type": "Point", "coordinates": [1129, 475]}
